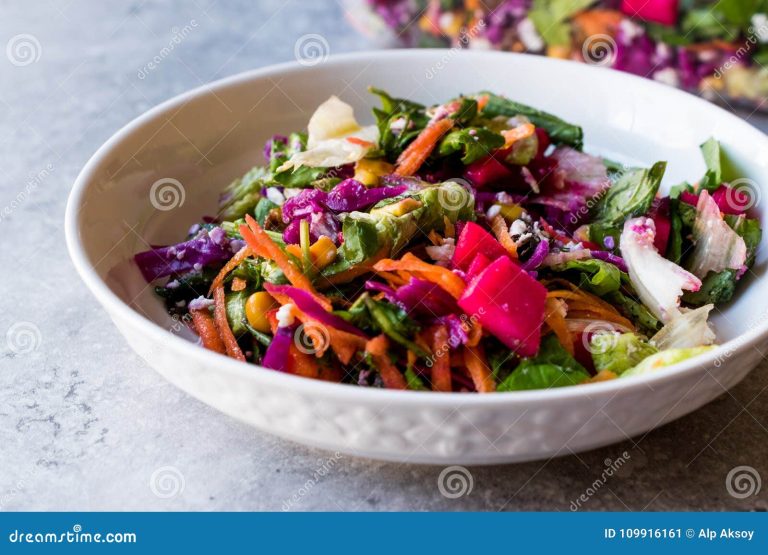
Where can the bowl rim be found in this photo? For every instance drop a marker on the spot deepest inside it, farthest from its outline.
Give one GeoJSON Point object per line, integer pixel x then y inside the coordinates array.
{"type": "Point", "coordinates": [115, 305]}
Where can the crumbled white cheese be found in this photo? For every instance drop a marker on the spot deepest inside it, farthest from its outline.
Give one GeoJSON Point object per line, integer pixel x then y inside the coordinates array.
{"type": "Point", "coordinates": [285, 316]}
{"type": "Point", "coordinates": [518, 227]}
{"type": "Point", "coordinates": [760, 27]}
{"type": "Point", "coordinates": [668, 76]}
{"type": "Point", "coordinates": [530, 37]}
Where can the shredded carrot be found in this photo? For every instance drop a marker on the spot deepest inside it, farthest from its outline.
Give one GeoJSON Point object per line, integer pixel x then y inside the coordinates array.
{"type": "Point", "coordinates": [343, 343]}
{"type": "Point", "coordinates": [222, 324]}
{"type": "Point", "coordinates": [443, 277]}
{"type": "Point", "coordinates": [238, 284]}
{"type": "Point", "coordinates": [450, 229]}
{"type": "Point", "coordinates": [390, 375]}
{"type": "Point", "coordinates": [441, 361]}
{"type": "Point", "coordinates": [259, 241]}
{"type": "Point", "coordinates": [435, 238]}
{"type": "Point", "coordinates": [393, 279]}
{"type": "Point", "coordinates": [206, 329]}
{"type": "Point", "coordinates": [411, 159]}
{"type": "Point", "coordinates": [482, 101]}
{"type": "Point", "coordinates": [360, 142]}
{"type": "Point", "coordinates": [523, 131]}
{"type": "Point", "coordinates": [477, 365]}
{"type": "Point", "coordinates": [377, 346]}
{"type": "Point", "coordinates": [302, 364]}
{"type": "Point", "coordinates": [499, 227]}
{"type": "Point", "coordinates": [603, 376]}
{"type": "Point", "coordinates": [474, 333]}
{"type": "Point", "coordinates": [554, 317]}
{"type": "Point", "coordinates": [231, 264]}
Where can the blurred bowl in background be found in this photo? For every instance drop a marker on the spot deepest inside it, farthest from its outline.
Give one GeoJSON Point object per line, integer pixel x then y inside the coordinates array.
{"type": "Point", "coordinates": [715, 49]}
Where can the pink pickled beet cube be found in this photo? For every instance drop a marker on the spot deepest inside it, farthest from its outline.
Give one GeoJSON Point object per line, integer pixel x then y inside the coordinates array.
{"type": "Point", "coordinates": [657, 11]}
{"type": "Point", "coordinates": [474, 239]}
{"type": "Point", "coordinates": [509, 303]}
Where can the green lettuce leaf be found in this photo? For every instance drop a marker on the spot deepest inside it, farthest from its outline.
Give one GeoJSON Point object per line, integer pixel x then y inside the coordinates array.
{"type": "Point", "coordinates": [630, 196]}
{"type": "Point", "coordinates": [663, 359]}
{"type": "Point", "coordinates": [618, 352]}
{"type": "Point", "coordinates": [559, 131]}
{"type": "Point", "coordinates": [596, 276]}
{"type": "Point", "coordinates": [552, 367]}
{"type": "Point", "coordinates": [473, 143]}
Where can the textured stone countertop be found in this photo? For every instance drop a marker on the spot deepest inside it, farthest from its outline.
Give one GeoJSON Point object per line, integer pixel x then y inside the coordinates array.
{"type": "Point", "coordinates": [84, 425]}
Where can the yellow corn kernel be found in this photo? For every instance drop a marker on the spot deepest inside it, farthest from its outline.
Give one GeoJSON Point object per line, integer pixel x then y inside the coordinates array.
{"type": "Point", "coordinates": [368, 172]}
{"type": "Point", "coordinates": [562, 52]}
{"type": "Point", "coordinates": [323, 252]}
{"type": "Point", "coordinates": [256, 308]}
{"type": "Point", "coordinates": [399, 208]}
{"type": "Point", "coordinates": [510, 212]}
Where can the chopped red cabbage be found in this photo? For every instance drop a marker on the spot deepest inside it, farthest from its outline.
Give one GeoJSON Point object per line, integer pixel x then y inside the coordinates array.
{"type": "Point", "coordinates": [206, 248]}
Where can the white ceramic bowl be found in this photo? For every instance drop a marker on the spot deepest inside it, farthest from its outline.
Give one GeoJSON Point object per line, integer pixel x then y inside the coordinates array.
{"type": "Point", "coordinates": [208, 136]}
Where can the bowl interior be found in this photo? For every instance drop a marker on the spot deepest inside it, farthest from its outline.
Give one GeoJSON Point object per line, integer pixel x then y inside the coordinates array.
{"type": "Point", "coordinates": [196, 144]}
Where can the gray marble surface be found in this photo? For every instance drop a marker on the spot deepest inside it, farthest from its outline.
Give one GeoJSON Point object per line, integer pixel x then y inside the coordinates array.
{"type": "Point", "coordinates": [85, 426]}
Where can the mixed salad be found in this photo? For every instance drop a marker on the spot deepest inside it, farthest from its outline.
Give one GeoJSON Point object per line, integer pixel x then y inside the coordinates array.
{"type": "Point", "coordinates": [717, 49]}
{"type": "Point", "coordinates": [468, 246]}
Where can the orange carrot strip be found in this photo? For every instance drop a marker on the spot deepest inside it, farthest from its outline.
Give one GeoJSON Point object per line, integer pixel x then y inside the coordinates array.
{"type": "Point", "coordinates": [390, 375]}
{"type": "Point", "coordinates": [474, 359]}
{"type": "Point", "coordinates": [523, 131]}
{"type": "Point", "coordinates": [231, 264]}
{"type": "Point", "coordinates": [435, 238]}
{"type": "Point", "coordinates": [343, 343]}
{"type": "Point", "coordinates": [206, 329]}
{"type": "Point", "coordinates": [238, 284]}
{"type": "Point", "coordinates": [255, 236]}
{"type": "Point", "coordinates": [302, 364]}
{"type": "Point", "coordinates": [411, 159]}
{"type": "Point", "coordinates": [377, 346]}
{"type": "Point", "coordinates": [360, 142]}
{"type": "Point", "coordinates": [222, 324]}
{"type": "Point", "coordinates": [482, 101]}
{"type": "Point", "coordinates": [499, 227]}
{"type": "Point", "coordinates": [446, 279]}
{"type": "Point", "coordinates": [441, 363]}
{"type": "Point", "coordinates": [555, 319]}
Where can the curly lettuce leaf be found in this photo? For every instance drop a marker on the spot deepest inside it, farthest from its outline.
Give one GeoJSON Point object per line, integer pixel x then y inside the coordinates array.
{"type": "Point", "coordinates": [618, 352]}
{"type": "Point", "coordinates": [663, 359]}
{"type": "Point", "coordinates": [473, 143]}
{"type": "Point", "coordinates": [689, 329]}
{"type": "Point", "coordinates": [659, 283]}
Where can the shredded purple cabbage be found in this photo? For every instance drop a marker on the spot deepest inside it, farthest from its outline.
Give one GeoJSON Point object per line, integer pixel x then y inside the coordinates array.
{"type": "Point", "coordinates": [320, 207]}
{"type": "Point", "coordinates": [206, 248]}
{"type": "Point", "coordinates": [276, 356]}
{"type": "Point", "coordinates": [538, 256]}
